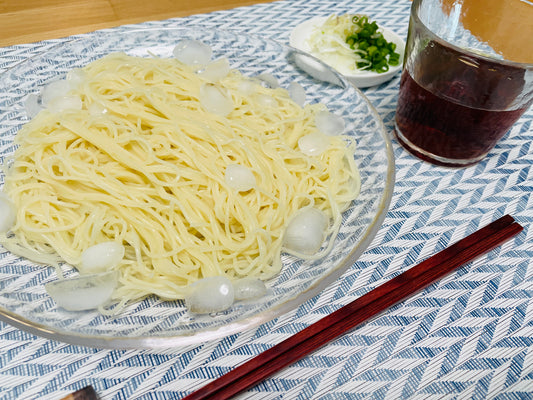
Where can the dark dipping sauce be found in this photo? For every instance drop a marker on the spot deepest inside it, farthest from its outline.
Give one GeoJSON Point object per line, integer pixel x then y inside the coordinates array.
{"type": "Point", "coordinates": [456, 106]}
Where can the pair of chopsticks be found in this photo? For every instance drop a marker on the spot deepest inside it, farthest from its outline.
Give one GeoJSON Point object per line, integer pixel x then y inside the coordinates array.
{"type": "Point", "coordinates": [379, 299]}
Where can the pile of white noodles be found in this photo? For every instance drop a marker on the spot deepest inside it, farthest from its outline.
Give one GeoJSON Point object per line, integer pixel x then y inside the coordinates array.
{"type": "Point", "coordinates": [142, 162]}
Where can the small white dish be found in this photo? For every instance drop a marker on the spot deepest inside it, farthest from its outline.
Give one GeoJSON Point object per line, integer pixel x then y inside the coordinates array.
{"type": "Point", "coordinates": [360, 79]}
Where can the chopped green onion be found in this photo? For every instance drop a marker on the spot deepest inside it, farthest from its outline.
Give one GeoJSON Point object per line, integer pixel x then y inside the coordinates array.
{"type": "Point", "coordinates": [370, 44]}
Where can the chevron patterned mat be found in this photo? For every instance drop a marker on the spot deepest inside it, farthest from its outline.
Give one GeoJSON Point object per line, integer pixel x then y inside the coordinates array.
{"type": "Point", "coordinates": [469, 336]}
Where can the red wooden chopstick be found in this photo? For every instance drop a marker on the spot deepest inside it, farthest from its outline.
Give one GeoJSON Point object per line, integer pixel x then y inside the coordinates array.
{"type": "Point", "coordinates": [358, 311]}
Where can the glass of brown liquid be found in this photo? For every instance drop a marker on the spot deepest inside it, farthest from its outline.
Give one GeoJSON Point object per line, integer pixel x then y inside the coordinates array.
{"type": "Point", "coordinates": [467, 77]}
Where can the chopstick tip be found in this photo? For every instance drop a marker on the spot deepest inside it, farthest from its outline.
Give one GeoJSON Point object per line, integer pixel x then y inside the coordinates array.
{"type": "Point", "coordinates": [86, 393]}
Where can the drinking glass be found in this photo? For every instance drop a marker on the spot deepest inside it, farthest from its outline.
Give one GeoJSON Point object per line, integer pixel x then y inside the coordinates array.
{"type": "Point", "coordinates": [467, 77]}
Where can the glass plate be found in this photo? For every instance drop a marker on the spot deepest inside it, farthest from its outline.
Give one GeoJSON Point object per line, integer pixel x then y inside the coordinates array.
{"type": "Point", "coordinates": [153, 323]}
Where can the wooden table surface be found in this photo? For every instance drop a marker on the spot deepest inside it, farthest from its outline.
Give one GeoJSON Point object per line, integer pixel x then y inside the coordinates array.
{"type": "Point", "coordinates": [27, 21]}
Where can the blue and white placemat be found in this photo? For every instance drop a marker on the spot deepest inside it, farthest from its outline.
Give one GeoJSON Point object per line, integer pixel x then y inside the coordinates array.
{"type": "Point", "coordinates": [467, 336]}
